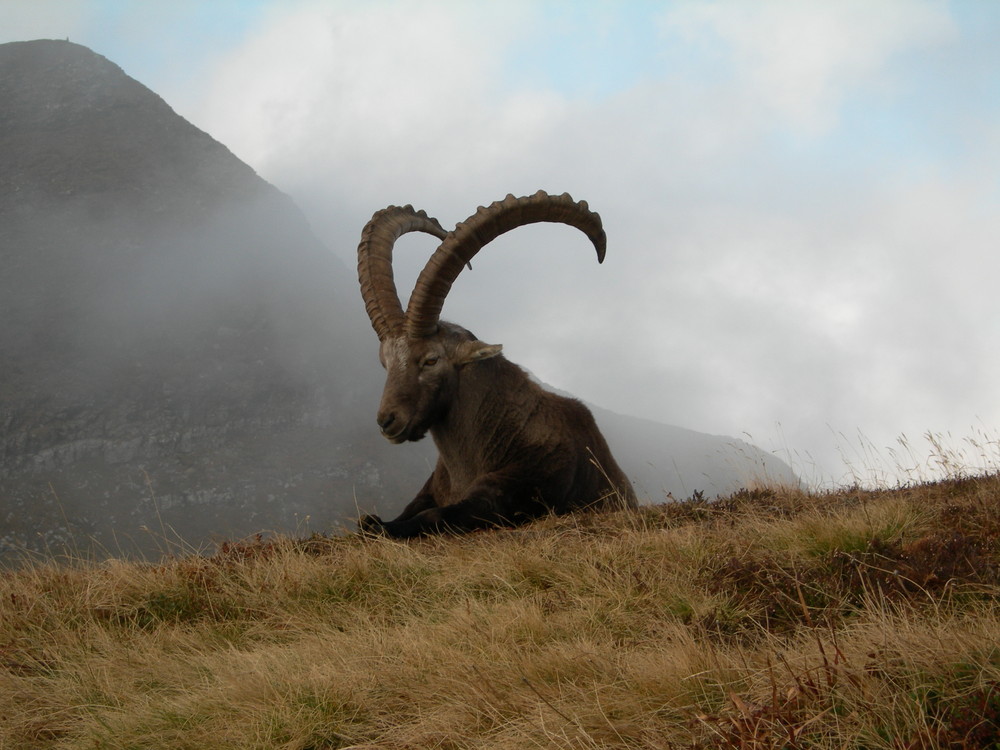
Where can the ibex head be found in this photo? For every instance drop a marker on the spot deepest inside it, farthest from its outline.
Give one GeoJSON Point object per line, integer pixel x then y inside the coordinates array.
{"type": "Point", "coordinates": [423, 356]}
{"type": "Point", "coordinates": [422, 377]}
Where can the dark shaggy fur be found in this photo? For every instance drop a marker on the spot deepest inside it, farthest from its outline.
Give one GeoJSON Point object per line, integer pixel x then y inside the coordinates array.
{"type": "Point", "coordinates": [509, 451]}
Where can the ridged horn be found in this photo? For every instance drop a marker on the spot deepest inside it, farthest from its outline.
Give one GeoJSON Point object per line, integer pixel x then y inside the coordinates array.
{"type": "Point", "coordinates": [484, 226]}
{"type": "Point", "coordinates": [378, 288]}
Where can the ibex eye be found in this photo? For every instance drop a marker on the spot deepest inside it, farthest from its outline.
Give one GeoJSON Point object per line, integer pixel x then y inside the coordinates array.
{"type": "Point", "coordinates": [430, 361]}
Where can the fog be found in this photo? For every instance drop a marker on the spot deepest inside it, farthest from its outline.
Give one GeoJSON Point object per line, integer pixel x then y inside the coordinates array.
{"type": "Point", "coordinates": [801, 200]}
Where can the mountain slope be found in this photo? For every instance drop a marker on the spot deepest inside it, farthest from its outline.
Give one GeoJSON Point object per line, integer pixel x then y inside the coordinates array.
{"type": "Point", "coordinates": [772, 619]}
{"type": "Point", "coordinates": [173, 331]}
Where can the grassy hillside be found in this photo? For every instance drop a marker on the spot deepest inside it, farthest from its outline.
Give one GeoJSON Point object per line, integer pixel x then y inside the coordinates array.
{"type": "Point", "coordinates": [856, 619]}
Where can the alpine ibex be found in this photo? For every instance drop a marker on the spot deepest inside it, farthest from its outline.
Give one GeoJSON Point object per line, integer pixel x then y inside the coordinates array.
{"type": "Point", "coordinates": [509, 451]}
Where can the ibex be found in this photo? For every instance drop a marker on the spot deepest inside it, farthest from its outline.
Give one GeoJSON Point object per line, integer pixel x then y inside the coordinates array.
{"type": "Point", "coordinates": [509, 451]}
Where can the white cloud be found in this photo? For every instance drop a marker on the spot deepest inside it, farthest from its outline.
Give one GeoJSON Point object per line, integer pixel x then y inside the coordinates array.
{"type": "Point", "coordinates": [387, 93]}
{"type": "Point", "coordinates": [801, 60]}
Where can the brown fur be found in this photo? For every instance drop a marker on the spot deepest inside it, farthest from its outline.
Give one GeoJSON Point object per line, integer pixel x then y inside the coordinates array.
{"type": "Point", "coordinates": [509, 451]}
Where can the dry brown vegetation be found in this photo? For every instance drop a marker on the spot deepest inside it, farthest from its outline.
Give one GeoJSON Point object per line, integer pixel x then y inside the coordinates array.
{"type": "Point", "coordinates": [770, 619]}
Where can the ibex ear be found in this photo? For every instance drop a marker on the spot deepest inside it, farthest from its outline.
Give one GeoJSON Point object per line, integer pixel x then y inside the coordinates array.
{"type": "Point", "coordinates": [475, 351]}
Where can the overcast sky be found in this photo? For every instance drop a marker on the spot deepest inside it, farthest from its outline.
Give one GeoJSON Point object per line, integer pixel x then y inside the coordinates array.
{"type": "Point", "coordinates": [802, 199]}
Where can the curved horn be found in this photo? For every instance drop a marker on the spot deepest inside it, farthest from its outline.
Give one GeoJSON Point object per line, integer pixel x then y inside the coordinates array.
{"type": "Point", "coordinates": [476, 232]}
{"type": "Point", "coordinates": [378, 289]}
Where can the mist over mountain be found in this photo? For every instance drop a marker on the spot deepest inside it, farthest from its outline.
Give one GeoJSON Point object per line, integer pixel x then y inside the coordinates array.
{"type": "Point", "coordinates": [180, 351]}
{"type": "Point", "coordinates": [178, 347]}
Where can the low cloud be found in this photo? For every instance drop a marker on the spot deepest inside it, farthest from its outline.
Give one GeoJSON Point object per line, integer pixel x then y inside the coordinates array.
{"type": "Point", "coordinates": [801, 200]}
{"type": "Point", "coordinates": [755, 283]}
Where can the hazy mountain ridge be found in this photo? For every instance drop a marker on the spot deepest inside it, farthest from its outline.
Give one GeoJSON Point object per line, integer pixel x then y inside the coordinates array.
{"type": "Point", "coordinates": [172, 325]}
{"type": "Point", "coordinates": [179, 348]}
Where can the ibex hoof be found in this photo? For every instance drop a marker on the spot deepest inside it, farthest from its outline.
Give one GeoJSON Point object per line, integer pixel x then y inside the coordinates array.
{"type": "Point", "coordinates": [371, 526]}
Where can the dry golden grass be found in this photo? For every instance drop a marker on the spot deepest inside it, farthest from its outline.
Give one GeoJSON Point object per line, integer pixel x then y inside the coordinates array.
{"type": "Point", "coordinates": [770, 619]}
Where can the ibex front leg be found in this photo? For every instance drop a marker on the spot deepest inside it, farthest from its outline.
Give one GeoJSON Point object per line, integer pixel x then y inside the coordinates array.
{"type": "Point", "coordinates": [373, 524]}
{"type": "Point", "coordinates": [490, 502]}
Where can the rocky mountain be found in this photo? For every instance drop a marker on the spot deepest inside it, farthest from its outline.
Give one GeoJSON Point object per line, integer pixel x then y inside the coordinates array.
{"type": "Point", "coordinates": [179, 351]}
{"type": "Point", "coordinates": [182, 358]}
